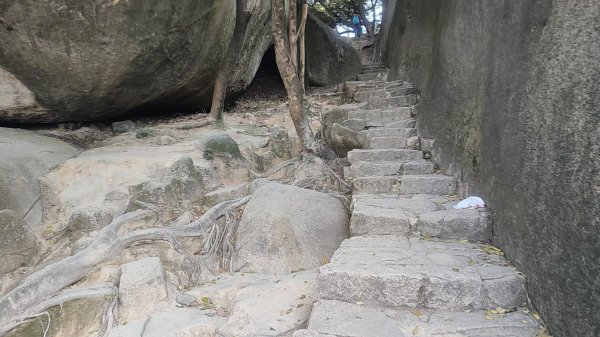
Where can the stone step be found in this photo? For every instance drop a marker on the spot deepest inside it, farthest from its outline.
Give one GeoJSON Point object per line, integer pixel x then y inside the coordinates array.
{"type": "Point", "coordinates": [393, 168]}
{"type": "Point", "coordinates": [382, 115]}
{"type": "Point", "coordinates": [384, 155]}
{"type": "Point", "coordinates": [387, 143]}
{"type": "Point", "coordinates": [374, 132]}
{"type": "Point", "coordinates": [399, 101]}
{"type": "Point", "coordinates": [424, 218]}
{"type": "Point", "coordinates": [368, 76]}
{"type": "Point", "coordinates": [399, 271]}
{"type": "Point", "coordinates": [406, 184]}
{"type": "Point", "coordinates": [470, 224]}
{"type": "Point", "coordinates": [363, 96]}
{"type": "Point", "coordinates": [341, 319]}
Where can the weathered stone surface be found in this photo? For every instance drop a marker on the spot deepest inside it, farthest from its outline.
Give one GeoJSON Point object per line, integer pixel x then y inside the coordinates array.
{"type": "Point", "coordinates": [286, 228]}
{"type": "Point", "coordinates": [89, 218]}
{"type": "Point", "coordinates": [142, 288]}
{"type": "Point", "coordinates": [17, 244]}
{"type": "Point", "coordinates": [330, 58]}
{"type": "Point", "coordinates": [344, 139]}
{"type": "Point", "coordinates": [396, 271]}
{"type": "Point", "coordinates": [334, 318]}
{"type": "Point", "coordinates": [468, 224]}
{"type": "Point", "coordinates": [384, 155]}
{"type": "Point", "coordinates": [406, 184]}
{"type": "Point", "coordinates": [182, 185]}
{"type": "Point", "coordinates": [26, 157]}
{"type": "Point", "coordinates": [261, 305]}
{"type": "Point", "coordinates": [180, 322]}
{"type": "Point", "coordinates": [103, 59]}
{"type": "Point", "coordinates": [518, 100]}
{"type": "Point", "coordinates": [387, 143]}
{"type": "Point", "coordinates": [365, 169]}
{"type": "Point", "coordinates": [382, 115]}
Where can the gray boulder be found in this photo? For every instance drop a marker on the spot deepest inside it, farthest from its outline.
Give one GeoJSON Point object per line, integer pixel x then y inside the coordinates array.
{"type": "Point", "coordinates": [330, 58]}
{"type": "Point", "coordinates": [96, 60]}
{"type": "Point", "coordinates": [27, 156]}
{"type": "Point", "coordinates": [286, 228]}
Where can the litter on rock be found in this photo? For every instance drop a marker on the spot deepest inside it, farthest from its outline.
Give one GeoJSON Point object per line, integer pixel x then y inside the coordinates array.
{"type": "Point", "coordinates": [470, 202]}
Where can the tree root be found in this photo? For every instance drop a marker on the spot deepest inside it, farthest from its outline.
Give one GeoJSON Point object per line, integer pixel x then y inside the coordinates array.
{"type": "Point", "coordinates": [44, 288]}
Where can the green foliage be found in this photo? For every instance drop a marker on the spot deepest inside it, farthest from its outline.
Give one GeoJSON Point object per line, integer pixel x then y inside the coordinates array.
{"type": "Point", "coordinates": [340, 12]}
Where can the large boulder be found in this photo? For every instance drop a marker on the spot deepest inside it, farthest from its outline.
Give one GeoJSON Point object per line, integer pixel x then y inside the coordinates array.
{"type": "Point", "coordinates": [330, 58]}
{"type": "Point", "coordinates": [286, 228]}
{"type": "Point", "coordinates": [26, 156]}
{"type": "Point", "coordinates": [95, 60]}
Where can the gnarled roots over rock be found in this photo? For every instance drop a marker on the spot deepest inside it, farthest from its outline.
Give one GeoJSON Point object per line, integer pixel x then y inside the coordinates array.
{"type": "Point", "coordinates": [46, 287]}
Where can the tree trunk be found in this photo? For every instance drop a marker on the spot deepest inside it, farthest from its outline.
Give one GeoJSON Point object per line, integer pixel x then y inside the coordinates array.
{"type": "Point", "coordinates": [290, 76]}
{"type": "Point", "coordinates": [302, 64]}
{"type": "Point", "coordinates": [366, 23]}
{"type": "Point", "coordinates": [242, 17]}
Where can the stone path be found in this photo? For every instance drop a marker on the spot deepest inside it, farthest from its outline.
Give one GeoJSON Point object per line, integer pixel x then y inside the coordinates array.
{"type": "Point", "coordinates": [414, 266]}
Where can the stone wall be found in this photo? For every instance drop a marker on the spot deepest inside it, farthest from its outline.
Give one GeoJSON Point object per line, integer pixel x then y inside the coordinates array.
{"type": "Point", "coordinates": [511, 93]}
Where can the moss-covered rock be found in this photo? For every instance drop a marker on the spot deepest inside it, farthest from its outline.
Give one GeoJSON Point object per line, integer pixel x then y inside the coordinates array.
{"type": "Point", "coordinates": [221, 145]}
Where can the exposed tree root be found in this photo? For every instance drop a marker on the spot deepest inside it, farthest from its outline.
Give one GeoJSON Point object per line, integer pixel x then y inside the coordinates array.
{"type": "Point", "coordinates": [44, 288]}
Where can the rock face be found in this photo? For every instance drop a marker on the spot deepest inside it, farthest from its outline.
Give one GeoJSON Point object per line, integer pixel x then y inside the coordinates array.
{"type": "Point", "coordinates": [142, 288]}
{"type": "Point", "coordinates": [26, 157]}
{"type": "Point", "coordinates": [330, 59]}
{"type": "Point", "coordinates": [511, 91]}
{"type": "Point", "coordinates": [65, 62]}
{"type": "Point", "coordinates": [286, 228]}
{"type": "Point", "coordinates": [17, 245]}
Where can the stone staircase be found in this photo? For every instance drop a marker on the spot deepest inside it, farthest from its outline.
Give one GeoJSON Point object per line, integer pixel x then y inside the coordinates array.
{"type": "Point", "coordinates": [414, 266]}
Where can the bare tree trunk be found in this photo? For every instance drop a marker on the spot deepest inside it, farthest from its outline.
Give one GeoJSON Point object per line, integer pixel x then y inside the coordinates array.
{"type": "Point", "coordinates": [290, 76]}
{"type": "Point", "coordinates": [302, 65]}
{"type": "Point", "coordinates": [366, 23]}
{"type": "Point", "coordinates": [242, 17]}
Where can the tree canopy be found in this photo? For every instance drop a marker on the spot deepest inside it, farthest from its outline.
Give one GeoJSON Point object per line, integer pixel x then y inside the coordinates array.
{"type": "Point", "coordinates": [340, 12]}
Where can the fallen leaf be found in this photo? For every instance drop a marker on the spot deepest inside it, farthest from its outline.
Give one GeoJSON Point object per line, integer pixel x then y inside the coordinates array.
{"type": "Point", "coordinates": [417, 313]}
{"type": "Point", "coordinates": [536, 316]}
{"type": "Point", "coordinates": [415, 330]}
{"type": "Point", "coordinates": [464, 241]}
{"type": "Point", "coordinates": [359, 303]}
{"type": "Point", "coordinates": [325, 260]}
{"type": "Point", "coordinates": [489, 318]}
{"type": "Point", "coordinates": [300, 305]}
{"type": "Point", "coordinates": [472, 262]}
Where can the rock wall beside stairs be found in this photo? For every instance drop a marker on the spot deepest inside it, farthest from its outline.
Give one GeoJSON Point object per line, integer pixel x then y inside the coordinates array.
{"type": "Point", "coordinates": [510, 92]}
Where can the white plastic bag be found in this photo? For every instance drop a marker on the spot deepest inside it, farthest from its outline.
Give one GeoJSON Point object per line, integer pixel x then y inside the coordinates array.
{"type": "Point", "coordinates": [470, 202]}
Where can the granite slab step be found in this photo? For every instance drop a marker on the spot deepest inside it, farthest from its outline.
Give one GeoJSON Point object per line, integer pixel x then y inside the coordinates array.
{"type": "Point", "coordinates": [399, 101]}
{"type": "Point", "coordinates": [395, 168]}
{"type": "Point", "coordinates": [374, 131]}
{"type": "Point", "coordinates": [407, 184]}
{"type": "Point", "coordinates": [399, 271]}
{"type": "Point", "coordinates": [387, 143]}
{"type": "Point", "coordinates": [341, 319]}
{"type": "Point", "coordinates": [471, 224]}
{"type": "Point", "coordinates": [363, 96]}
{"type": "Point", "coordinates": [384, 155]}
{"type": "Point", "coordinates": [383, 115]}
